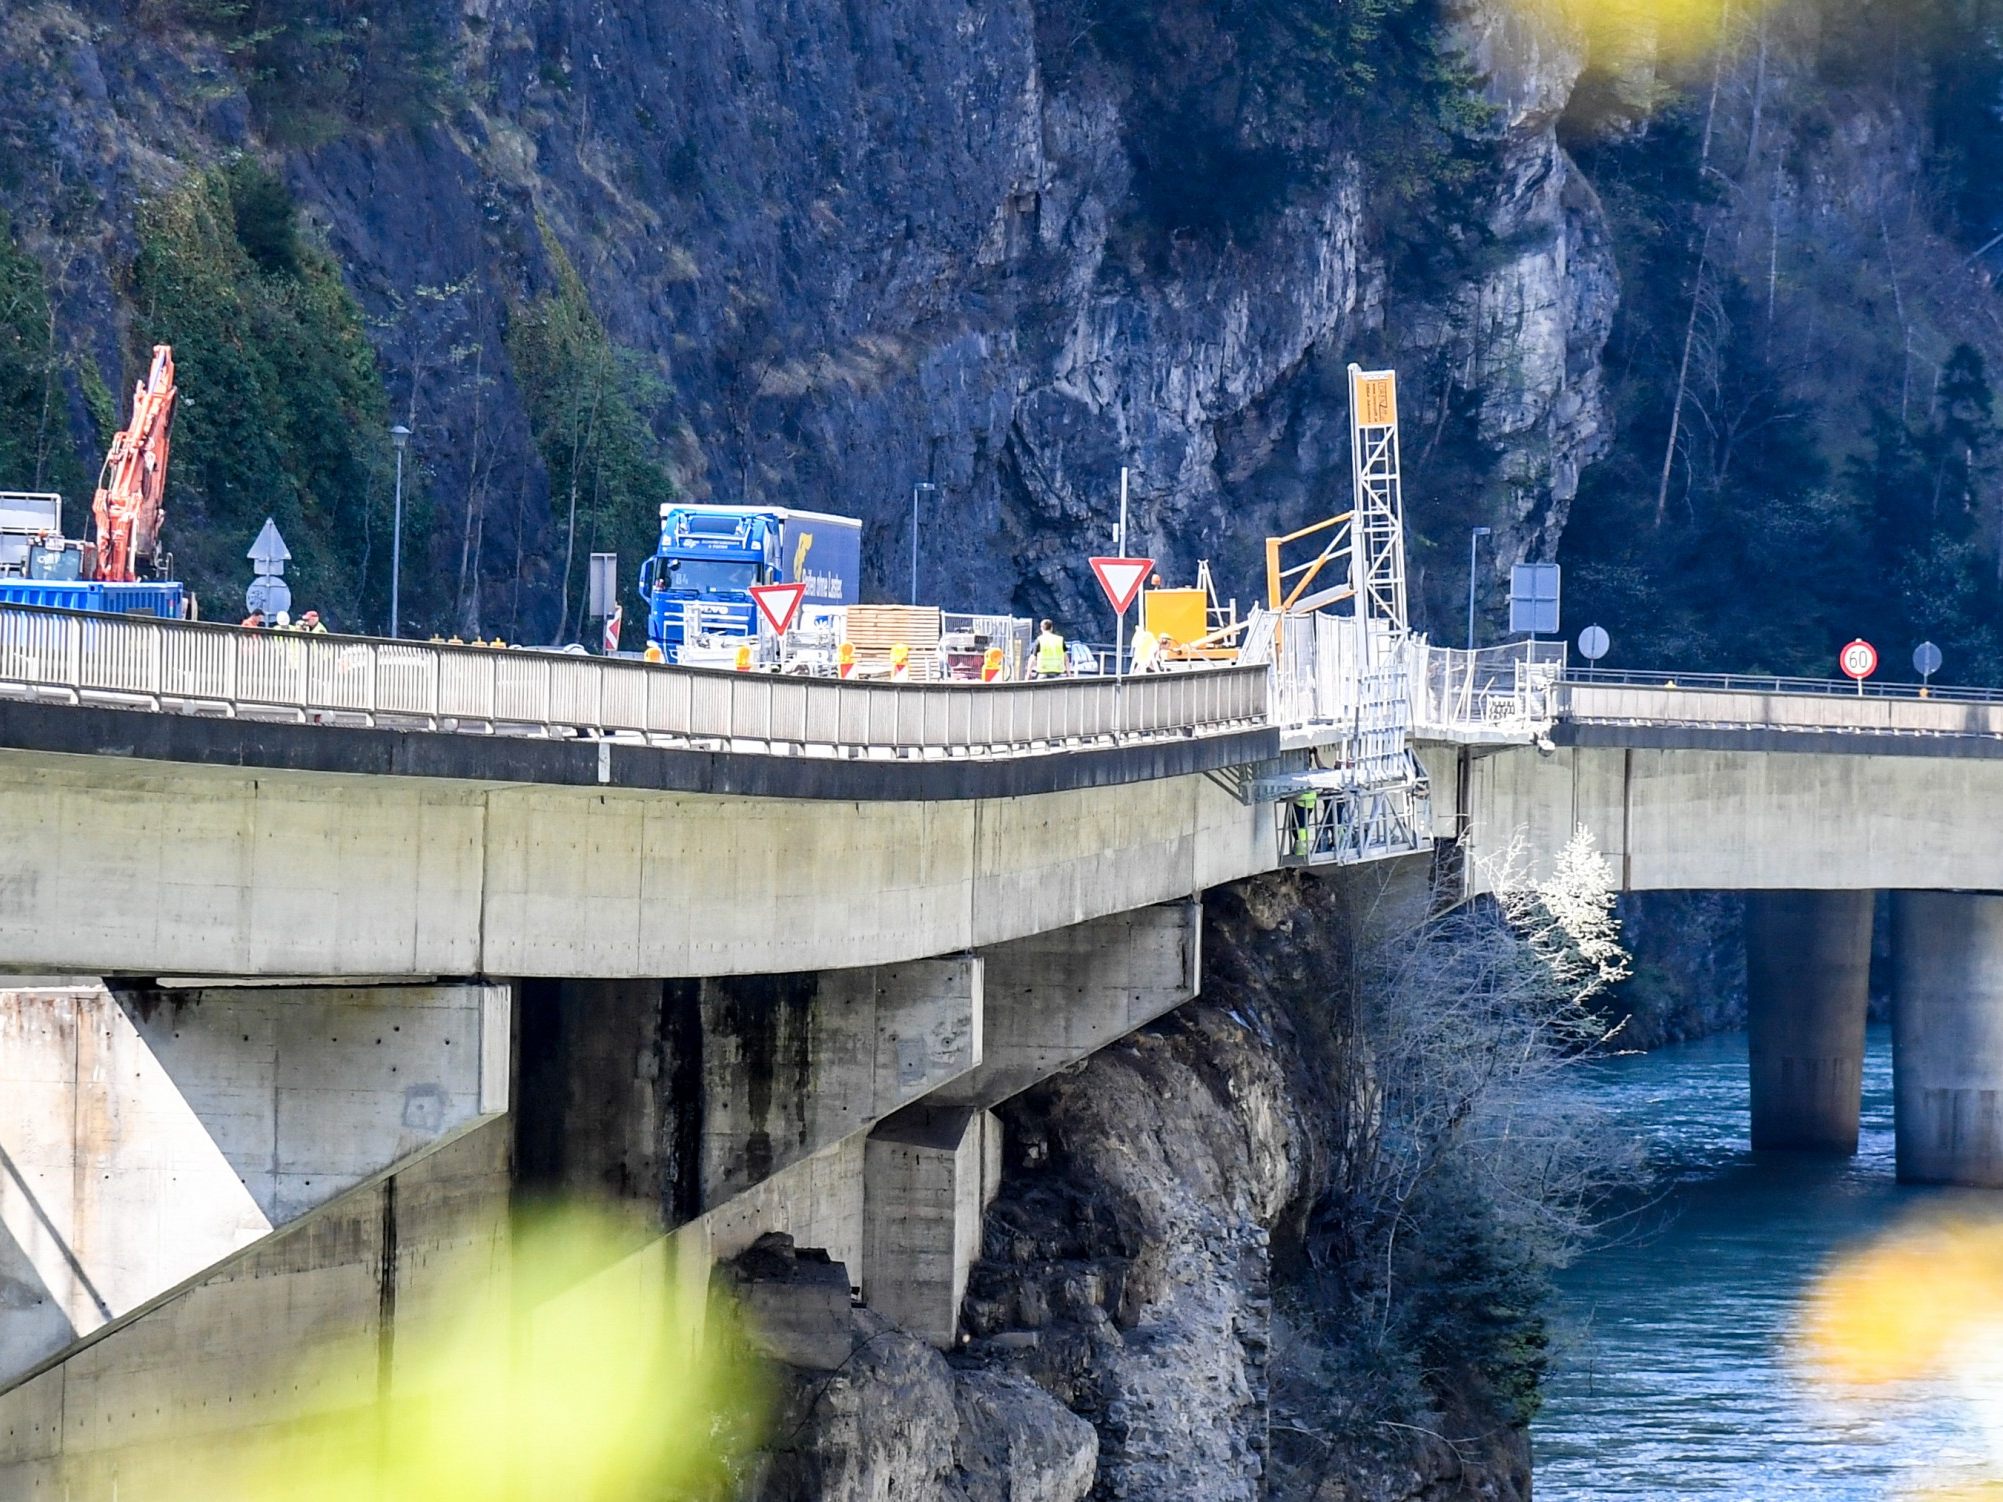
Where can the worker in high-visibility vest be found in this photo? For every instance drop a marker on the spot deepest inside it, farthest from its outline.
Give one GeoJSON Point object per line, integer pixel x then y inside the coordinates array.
{"type": "Point", "coordinates": [1304, 822]}
{"type": "Point", "coordinates": [1049, 652]}
{"type": "Point", "coordinates": [1146, 645]}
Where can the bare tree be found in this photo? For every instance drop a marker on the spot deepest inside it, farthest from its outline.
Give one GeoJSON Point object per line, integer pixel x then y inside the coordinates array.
{"type": "Point", "coordinates": [1467, 1023]}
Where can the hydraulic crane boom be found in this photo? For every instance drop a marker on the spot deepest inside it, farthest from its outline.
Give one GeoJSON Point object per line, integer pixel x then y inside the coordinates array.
{"type": "Point", "coordinates": [132, 489]}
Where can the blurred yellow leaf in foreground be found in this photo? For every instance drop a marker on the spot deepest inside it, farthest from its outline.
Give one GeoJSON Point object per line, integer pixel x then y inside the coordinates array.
{"type": "Point", "coordinates": [1904, 1306]}
{"type": "Point", "coordinates": [572, 1368]}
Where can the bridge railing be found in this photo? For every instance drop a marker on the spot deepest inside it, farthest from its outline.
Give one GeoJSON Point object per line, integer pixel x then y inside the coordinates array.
{"type": "Point", "coordinates": [1769, 683]}
{"type": "Point", "coordinates": [191, 668]}
{"type": "Point", "coordinates": [1778, 704]}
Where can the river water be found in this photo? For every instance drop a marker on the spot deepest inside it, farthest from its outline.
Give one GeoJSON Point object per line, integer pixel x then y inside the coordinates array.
{"type": "Point", "coordinates": [1673, 1375]}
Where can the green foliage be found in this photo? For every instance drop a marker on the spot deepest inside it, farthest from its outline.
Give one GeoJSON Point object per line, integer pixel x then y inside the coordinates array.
{"type": "Point", "coordinates": [315, 69]}
{"type": "Point", "coordinates": [1478, 1299]}
{"type": "Point", "coordinates": [1965, 107]}
{"type": "Point", "coordinates": [1413, 111]}
{"type": "Point", "coordinates": [591, 405]}
{"type": "Point", "coordinates": [35, 452]}
{"type": "Point", "coordinates": [281, 410]}
{"type": "Point", "coordinates": [1828, 480]}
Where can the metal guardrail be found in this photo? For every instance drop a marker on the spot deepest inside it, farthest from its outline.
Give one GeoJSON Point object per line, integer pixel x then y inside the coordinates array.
{"type": "Point", "coordinates": [191, 668]}
{"type": "Point", "coordinates": [1764, 683]}
{"type": "Point", "coordinates": [1756, 705]}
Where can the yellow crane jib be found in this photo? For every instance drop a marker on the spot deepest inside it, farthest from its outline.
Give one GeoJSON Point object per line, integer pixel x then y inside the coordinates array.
{"type": "Point", "coordinates": [1287, 585]}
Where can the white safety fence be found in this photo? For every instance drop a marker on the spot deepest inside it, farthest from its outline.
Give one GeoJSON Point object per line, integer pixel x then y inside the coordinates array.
{"type": "Point", "coordinates": [188, 668]}
{"type": "Point", "coordinates": [1505, 693]}
{"type": "Point", "coordinates": [1332, 682]}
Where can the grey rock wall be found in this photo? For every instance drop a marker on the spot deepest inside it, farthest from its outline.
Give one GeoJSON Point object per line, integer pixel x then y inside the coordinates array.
{"type": "Point", "coordinates": [897, 1421]}
{"type": "Point", "coordinates": [865, 247]}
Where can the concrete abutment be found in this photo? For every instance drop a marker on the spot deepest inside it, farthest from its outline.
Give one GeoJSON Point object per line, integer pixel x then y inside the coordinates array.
{"type": "Point", "coordinates": [1808, 972]}
{"type": "Point", "coordinates": [147, 1135]}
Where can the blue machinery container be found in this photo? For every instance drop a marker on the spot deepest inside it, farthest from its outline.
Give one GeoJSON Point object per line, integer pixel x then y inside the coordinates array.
{"type": "Point", "coordinates": [145, 599]}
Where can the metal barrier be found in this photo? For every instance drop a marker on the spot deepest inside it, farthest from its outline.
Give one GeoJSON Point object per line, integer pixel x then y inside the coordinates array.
{"type": "Point", "coordinates": [1492, 693]}
{"type": "Point", "coordinates": [1765, 683]}
{"type": "Point", "coordinates": [188, 668]}
{"type": "Point", "coordinates": [1755, 705]}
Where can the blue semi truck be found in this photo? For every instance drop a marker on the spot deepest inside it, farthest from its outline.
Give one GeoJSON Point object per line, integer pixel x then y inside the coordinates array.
{"type": "Point", "coordinates": [697, 586]}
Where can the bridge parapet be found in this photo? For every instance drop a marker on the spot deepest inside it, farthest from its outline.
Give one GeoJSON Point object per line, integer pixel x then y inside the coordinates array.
{"type": "Point", "coordinates": [189, 668]}
{"type": "Point", "coordinates": [1780, 704]}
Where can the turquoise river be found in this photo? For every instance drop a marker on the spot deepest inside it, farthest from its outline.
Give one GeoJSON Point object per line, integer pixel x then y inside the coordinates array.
{"type": "Point", "coordinates": [1675, 1373]}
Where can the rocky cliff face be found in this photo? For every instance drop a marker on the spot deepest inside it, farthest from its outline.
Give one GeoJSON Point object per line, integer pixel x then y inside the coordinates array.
{"type": "Point", "coordinates": [1144, 1272]}
{"type": "Point", "coordinates": [864, 250]}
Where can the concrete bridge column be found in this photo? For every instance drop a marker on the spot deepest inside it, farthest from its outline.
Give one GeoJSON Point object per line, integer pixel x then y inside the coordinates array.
{"type": "Point", "coordinates": [1808, 967]}
{"type": "Point", "coordinates": [1947, 1036]}
{"type": "Point", "coordinates": [931, 1170]}
{"type": "Point", "coordinates": [927, 1182]}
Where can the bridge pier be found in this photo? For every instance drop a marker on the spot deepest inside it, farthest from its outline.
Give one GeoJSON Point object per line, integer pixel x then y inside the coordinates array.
{"type": "Point", "coordinates": [927, 1181]}
{"type": "Point", "coordinates": [1947, 1037]}
{"type": "Point", "coordinates": [930, 1170]}
{"type": "Point", "coordinates": [685, 1095]}
{"type": "Point", "coordinates": [1808, 965]}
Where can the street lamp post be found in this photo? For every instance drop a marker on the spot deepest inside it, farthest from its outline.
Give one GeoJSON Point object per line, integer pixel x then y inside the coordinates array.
{"type": "Point", "coordinates": [921, 485]}
{"type": "Point", "coordinates": [1473, 540]}
{"type": "Point", "coordinates": [400, 436]}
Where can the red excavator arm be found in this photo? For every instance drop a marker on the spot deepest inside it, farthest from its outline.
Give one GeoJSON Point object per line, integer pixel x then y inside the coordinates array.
{"type": "Point", "coordinates": [132, 490]}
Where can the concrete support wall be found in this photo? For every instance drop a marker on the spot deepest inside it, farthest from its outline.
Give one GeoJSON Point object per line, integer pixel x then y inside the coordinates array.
{"type": "Point", "coordinates": [1947, 1035]}
{"type": "Point", "coordinates": [304, 1322]}
{"type": "Point", "coordinates": [1808, 973]}
{"type": "Point", "coordinates": [794, 1064]}
{"type": "Point", "coordinates": [421, 877]}
{"type": "Point", "coordinates": [818, 1201]}
{"type": "Point", "coordinates": [146, 1136]}
{"type": "Point", "coordinates": [926, 1184]}
{"type": "Point", "coordinates": [1059, 997]}
{"type": "Point", "coordinates": [684, 1095]}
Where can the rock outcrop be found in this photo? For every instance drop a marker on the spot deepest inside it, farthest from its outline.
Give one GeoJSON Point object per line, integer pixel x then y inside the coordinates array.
{"type": "Point", "coordinates": [863, 252]}
{"type": "Point", "coordinates": [896, 1421]}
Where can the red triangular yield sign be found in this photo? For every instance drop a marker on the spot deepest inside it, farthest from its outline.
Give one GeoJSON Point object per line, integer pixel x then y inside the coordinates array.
{"type": "Point", "coordinates": [1121, 579]}
{"type": "Point", "coordinates": [779, 603]}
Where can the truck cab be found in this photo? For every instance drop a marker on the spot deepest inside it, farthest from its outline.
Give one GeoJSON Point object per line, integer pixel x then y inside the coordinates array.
{"type": "Point", "coordinates": [697, 586]}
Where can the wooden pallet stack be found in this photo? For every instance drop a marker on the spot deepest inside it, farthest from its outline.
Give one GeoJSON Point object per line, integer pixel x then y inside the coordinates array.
{"type": "Point", "coordinates": [875, 629]}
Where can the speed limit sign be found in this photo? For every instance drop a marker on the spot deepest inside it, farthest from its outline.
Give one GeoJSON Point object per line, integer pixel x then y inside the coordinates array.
{"type": "Point", "coordinates": [1859, 660]}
